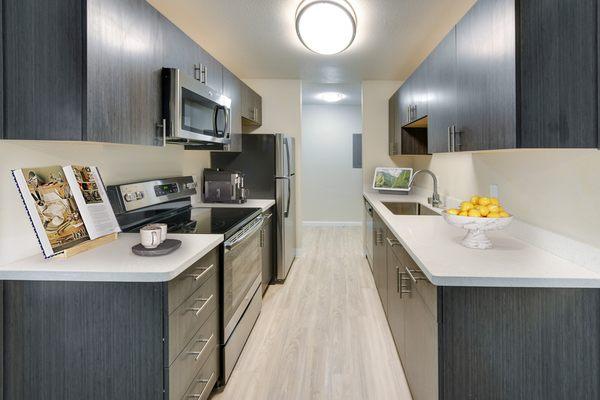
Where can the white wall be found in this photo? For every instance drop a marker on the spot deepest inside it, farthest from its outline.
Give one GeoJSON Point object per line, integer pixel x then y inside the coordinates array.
{"type": "Point", "coordinates": [331, 187]}
{"type": "Point", "coordinates": [375, 96]}
{"type": "Point", "coordinates": [557, 190]}
{"type": "Point", "coordinates": [117, 164]}
{"type": "Point", "coordinates": [282, 113]}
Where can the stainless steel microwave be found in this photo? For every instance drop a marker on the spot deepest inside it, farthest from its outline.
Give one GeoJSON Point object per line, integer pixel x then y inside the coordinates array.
{"type": "Point", "coordinates": [192, 111]}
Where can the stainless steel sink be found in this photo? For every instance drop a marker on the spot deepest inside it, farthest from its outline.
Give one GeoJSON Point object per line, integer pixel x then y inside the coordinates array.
{"type": "Point", "coordinates": [409, 208]}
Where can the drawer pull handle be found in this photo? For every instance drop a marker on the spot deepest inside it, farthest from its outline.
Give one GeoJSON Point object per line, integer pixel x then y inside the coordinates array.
{"type": "Point", "coordinates": [412, 277]}
{"type": "Point", "coordinates": [198, 310]}
{"type": "Point", "coordinates": [198, 354]}
{"type": "Point", "coordinates": [201, 274]}
{"type": "Point", "coordinates": [206, 382]}
{"type": "Point", "coordinates": [393, 242]}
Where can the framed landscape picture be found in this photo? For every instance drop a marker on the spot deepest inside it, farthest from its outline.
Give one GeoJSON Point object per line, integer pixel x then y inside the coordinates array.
{"type": "Point", "coordinates": [392, 179]}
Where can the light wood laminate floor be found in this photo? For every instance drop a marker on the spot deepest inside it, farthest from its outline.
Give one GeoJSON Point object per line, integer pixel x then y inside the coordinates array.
{"type": "Point", "coordinates": [322, 334]}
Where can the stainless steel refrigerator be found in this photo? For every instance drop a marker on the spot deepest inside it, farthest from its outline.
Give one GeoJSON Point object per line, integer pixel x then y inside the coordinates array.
{"type": "Point", "coordinates": [268, 162]}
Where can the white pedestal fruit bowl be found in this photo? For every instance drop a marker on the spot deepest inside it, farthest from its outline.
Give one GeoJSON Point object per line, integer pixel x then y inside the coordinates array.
{"type": "Point", "coordinates": [476, 228]}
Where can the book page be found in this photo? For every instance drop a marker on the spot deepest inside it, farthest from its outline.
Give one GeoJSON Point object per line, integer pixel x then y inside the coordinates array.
{"type": "Point", "coordinates": [92, 200]}
{"type": "Point", "coordinates": [51, 207]}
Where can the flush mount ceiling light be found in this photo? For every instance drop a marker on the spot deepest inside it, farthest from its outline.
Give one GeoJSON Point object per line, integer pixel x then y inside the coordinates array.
{"type": "Point", "coordinates": [331, 97]}
{"type": "Point", "coordinates": [326, 26]}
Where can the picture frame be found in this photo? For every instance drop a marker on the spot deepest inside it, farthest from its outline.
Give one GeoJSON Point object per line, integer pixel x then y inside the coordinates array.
{"type": "Point", "coordinates": [392, 179]}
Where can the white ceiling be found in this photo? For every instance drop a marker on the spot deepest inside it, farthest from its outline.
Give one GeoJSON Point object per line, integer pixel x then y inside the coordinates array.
{"type": "Point", "coordinates": [257, 38]}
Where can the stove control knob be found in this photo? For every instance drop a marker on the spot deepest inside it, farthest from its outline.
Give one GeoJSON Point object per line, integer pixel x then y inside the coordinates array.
{"type": "Point", "coordinates": [139, 195]}
{"type": "Point", "coordinates": [129, 197]}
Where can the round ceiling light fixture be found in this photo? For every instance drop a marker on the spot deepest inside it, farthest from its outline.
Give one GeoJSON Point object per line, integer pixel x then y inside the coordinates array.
{"type": "Point", "coordinates": [331, 97]}
{"type": "Point", "coordinates": [326, 26]}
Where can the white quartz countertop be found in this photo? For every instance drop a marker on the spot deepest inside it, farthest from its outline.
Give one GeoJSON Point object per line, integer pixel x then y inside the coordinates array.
{"type": "Point", "coordinates": [251, 203]}
{"type": "Point", "coordinates": [435, 247]}
{"type": "Point", "coordinates": [114, 262]}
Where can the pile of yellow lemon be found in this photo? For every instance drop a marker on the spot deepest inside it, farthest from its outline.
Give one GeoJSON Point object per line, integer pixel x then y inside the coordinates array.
{"type": "Point", "coordinates": [480, 207]}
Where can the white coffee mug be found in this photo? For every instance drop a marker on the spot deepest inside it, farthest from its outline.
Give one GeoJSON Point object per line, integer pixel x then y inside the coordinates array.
{"type": "Point", "coordinates": [163, 230]}
{"type": "Point", "coordinates": [150, 236]}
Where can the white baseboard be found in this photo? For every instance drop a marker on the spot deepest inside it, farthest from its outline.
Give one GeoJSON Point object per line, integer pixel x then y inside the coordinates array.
{"type": "Point", "coordinates": [331, 223]}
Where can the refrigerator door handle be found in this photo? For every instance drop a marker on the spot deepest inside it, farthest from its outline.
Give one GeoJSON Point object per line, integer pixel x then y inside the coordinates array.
{"type": "Point", "coordinates": [286, 213]}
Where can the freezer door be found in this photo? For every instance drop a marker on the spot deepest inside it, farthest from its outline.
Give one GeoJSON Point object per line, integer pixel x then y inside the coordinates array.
{"type": "Point", "coordinates": [290, 151]}
{"type": "Point", "coordinates": [286, 225]}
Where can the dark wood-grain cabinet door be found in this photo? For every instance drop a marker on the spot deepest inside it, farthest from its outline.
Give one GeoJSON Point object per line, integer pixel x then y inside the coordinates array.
{"type": "Point", "coordinates": [124, 61]}
{"type": "Point", "coordinates": [43, 69]}
{"type": "Point", "coordinates": [405, 103]}
{"type": "Point", "coordinates": [179, 50]}
{"type": "Point", "coordinates": [379, 259]}
{"type": "Point", "coordinates": [442, 94]}
{"type": "Point", "coordinates": [395, 301]}
{"type": "Point", "coordinates": [419, 87]}
{"type": "Point", "coordinates": [559, 73]}
{"type": "Point", "coordinates": [232, 88]}
{"type": "Point", "coordinates": [213, 71]}
{"type": "Point", "coordinates": [486, 76]}
{"type": "Point", "coordinates": [393, 124]}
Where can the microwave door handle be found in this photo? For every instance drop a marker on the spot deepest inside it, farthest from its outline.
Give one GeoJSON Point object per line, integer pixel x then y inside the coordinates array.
{"type": "Point", "coordinates": [215, 119]}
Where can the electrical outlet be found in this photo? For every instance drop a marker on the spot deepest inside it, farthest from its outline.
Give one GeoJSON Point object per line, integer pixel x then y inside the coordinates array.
{"type": "Point", "coordinates": [494, 190]}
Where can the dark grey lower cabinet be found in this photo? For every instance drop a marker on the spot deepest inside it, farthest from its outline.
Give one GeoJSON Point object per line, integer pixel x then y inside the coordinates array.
{"type": "Point", "coordinates": [491, 343]}
{"type": "Point", "coordinates": [112, 340]}
{"type": "Point", "coordinates": [379, 259]}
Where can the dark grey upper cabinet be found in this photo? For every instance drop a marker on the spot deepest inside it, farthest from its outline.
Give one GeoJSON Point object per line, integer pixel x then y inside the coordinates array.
{"type": "Point", "coordinates": [394, 124]}
{"type": "Point", "coordinates": [558, 73]}
{"type": "Point", "coordinates": [486, 77]}
{"type": "Point", "coordinates": [43, 65]}
{"type": "Point", "coordinates": [405, 102]}
{"type": "Point", "coordinates": [419, 89]}
{"type": "Point", "coordinates": [442, 94]}
{"type": "Point", "coordinates": [213, 71]}
{"type": "Point", "coordinates": [180, 51]}
{"type": "Point", "coordinates": [232, 88]}
{"type": "Point", "coordinates": [123, 70]}
{"type": "Point", "coordinates": [251, 107]}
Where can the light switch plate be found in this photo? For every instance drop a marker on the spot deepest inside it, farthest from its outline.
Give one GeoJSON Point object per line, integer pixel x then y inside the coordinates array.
{"type": "Point", "coordinates": [494, 190]}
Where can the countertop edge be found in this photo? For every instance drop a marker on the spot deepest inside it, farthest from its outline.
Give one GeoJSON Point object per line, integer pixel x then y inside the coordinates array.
{"type": "Point", "coordinates": [467, 281]}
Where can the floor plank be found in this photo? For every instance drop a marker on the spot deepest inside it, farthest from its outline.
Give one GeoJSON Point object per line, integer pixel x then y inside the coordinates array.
{"type": "Point", "coordinates": [323, 334]}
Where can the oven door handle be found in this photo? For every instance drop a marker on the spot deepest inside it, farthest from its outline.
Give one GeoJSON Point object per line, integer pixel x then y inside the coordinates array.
{"type": "Point", "coordinates": [253, 228]}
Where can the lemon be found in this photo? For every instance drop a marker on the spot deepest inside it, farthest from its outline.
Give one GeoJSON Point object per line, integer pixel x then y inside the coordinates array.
{"type": "Point", "coordinates": [463, 214]}
{"type": "Point", "coordinates": [466, 206]}
{"type": "Point", "coordinates": [452, 211]}
{"type": "Point", "coordinates": [493, 215]}
{"type": "Point", "coordinates": [494, 200]}
{"type": "Point", "coordinates": [484, 211]}
{"type": "Point", "coordinates": [484, 201]}
{"type": "Point", "coordinates": [500, 209]}
{"type": "Point", "coordinates": [475, 200]}
{"type": "Point", "coordinates": [494, 208]}
{"type": "Point", "coordinates": [504, 214]}
{"type": "Point", "coordinates": [474, 213]}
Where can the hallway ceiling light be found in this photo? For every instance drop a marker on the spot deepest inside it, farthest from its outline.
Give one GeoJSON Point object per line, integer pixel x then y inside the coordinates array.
{"type": "Point", "coordinates": [326, 26]}
{"type": "Point", "coordinates": [331, 97]}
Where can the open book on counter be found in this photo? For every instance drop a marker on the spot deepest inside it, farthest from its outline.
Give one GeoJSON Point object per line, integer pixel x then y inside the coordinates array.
{"type": "Point", "coordinates": [67, 205]}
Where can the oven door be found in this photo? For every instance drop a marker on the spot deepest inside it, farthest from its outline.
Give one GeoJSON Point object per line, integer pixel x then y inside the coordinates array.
{"type": "Point", "coordinates": [242, 267]}
{"type": "Point", "coordinates": [193, 112]}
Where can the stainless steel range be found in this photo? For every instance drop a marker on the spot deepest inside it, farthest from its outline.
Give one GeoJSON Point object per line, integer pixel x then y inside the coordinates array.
{"type": "Point", "coordinates": [168, 201]}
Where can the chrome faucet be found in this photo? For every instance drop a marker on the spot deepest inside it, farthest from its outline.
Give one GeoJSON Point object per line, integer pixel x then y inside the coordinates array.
{"type": "Point", "coordinates": [434, 200]}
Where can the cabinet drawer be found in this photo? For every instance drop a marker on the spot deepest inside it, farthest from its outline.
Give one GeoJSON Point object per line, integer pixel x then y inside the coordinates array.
{"type": "Point", "coordinates": [191, 279]}
{"type": "Point", "coordinates": [193, 357]}
{"type": "Point", "coordinates": [205, 380]}
{"type": "Point", "coordinates": [422, 286]}
{"type": "Point", "coordinates": [185, 321]}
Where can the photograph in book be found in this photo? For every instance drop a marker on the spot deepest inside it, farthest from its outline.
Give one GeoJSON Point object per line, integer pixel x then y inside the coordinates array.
{"type": "Point", "coordinates": [92, 200]}
{"type": "Point", "coordinates": [52, 208]}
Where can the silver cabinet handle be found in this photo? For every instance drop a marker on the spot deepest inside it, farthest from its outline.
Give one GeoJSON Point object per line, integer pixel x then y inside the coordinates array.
{"type": "Point", "coordinates": [197, 354]}
{"type": "Point", "coordinates": [201, 274]}
{"type": "Point", "coordinates": [378, 237]}
{"type": "Point", "coordinates": [414, 278]}
{"type": "Point", "coordinates": [392, 243]}
{"type": "Point", "coordinates": [198, 310]}
{"type": "Point", "coordinates": [455, 138]}
{"type": "Point", "coordinates": [402, 288]}
{"type": "Point", "coordinates": [449, 140]}
{"type": "Point", "coordinates": [205, 381]}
